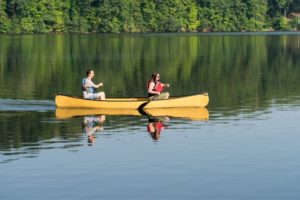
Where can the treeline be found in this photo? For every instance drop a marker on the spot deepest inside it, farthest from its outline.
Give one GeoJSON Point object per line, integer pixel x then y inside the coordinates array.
{"type": "Point", "coordinates": [132, 16]}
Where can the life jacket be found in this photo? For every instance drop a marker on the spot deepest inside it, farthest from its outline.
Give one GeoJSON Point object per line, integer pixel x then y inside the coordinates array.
{"type": "Point", "coordinates": [158, 87]}
{"type": "Point", "coordinates": [89, 89]}
{"type": "Point", "coordinates": [157, 125]}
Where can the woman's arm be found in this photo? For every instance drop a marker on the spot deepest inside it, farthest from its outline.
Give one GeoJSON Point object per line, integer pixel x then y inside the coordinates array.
{"type": "Point", "coordinates": [165, 84]}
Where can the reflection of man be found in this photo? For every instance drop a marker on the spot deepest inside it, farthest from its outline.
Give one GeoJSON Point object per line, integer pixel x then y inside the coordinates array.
{"type": "Point", "coordinates": [154, 126]}
{"type": "Point", "coordinates": [90, 126]}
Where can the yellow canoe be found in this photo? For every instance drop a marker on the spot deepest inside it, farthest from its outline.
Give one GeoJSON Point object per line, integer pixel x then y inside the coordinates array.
{"type": "Point", "coordinates": [189, 113]}
{"type": "Point", "coordinates": [197, 100]}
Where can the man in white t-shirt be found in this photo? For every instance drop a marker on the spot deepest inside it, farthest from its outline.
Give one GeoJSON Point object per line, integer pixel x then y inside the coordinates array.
{"type": "Point", "coordinates": [88, 87]}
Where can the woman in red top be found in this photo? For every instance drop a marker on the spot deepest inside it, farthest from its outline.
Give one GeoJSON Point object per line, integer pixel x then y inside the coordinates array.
{"type": "Point", "coordinates": [155, 88]}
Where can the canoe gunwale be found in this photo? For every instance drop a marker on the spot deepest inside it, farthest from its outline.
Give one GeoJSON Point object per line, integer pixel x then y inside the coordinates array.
{"type": "Point", "coordinates": [106, 100]}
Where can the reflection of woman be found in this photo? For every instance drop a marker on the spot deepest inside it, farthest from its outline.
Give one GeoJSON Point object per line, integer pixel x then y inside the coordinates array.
{"type": "Point", "coordinates": [154, 127]}
{"type": "Point", "coordinates": [90, 128]}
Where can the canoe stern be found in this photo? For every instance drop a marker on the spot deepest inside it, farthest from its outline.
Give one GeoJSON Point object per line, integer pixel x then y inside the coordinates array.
{"type": "Point", "coordinates": [198, 100]}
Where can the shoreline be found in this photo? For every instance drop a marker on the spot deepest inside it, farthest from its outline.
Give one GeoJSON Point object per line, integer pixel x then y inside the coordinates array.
{"type": "Point", "coordinates": [167, 33]}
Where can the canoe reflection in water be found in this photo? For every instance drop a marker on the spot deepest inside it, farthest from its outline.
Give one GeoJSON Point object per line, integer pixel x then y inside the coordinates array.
{"type": "Point", "coordinates": [91, 126]}
{"type": "Point", "coordinates": [199, 114]}
{"type": "Point", "coordinates": [157, 118]}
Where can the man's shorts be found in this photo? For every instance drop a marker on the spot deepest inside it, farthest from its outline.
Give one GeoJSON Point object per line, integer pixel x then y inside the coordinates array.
{"type": "Point", "coordinates": [91, 96]}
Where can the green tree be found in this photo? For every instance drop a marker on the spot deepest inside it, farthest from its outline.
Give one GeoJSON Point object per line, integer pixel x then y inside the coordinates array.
{"type": "Point", "coordinates": [148, 10]}
{"type": "Point", "coordinates": [193, 21]}
{"type": "Point", "coordinates": [256, 14]}
{"type": "Point", "coordinates": [116, 16]}
{"type": "Point", "coordinates": [4, 20]}
{"type": "Point", "coordinates": [109, 13]}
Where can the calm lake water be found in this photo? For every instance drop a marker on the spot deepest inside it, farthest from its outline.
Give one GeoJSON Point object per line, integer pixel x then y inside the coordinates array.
{"type": "Point", "coordinates": [244, 145]}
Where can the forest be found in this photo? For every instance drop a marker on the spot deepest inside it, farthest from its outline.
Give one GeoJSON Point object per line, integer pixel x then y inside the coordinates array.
{"type": "Point", "coordinates": [147, 16]}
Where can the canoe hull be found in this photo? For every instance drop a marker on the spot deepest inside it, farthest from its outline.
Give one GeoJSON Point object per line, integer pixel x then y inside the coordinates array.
{"type": "Point", "coordinates": [197, 100]}
{"type": "Point", "coordinates": [74, 102]}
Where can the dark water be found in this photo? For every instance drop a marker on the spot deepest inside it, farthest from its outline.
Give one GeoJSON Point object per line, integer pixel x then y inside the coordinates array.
{"type": "Point", "coordinates": [247, 147]}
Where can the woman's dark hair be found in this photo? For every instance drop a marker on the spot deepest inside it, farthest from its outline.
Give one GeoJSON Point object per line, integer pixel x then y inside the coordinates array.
{"type": "Point", "coordinates": [88, 71]}
{"type": "Point", "coordinates": [153, 76]}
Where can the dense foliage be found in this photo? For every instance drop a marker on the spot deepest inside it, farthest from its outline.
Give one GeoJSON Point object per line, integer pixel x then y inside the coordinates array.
{"type": "Point", "coordinates": [115, 16]}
